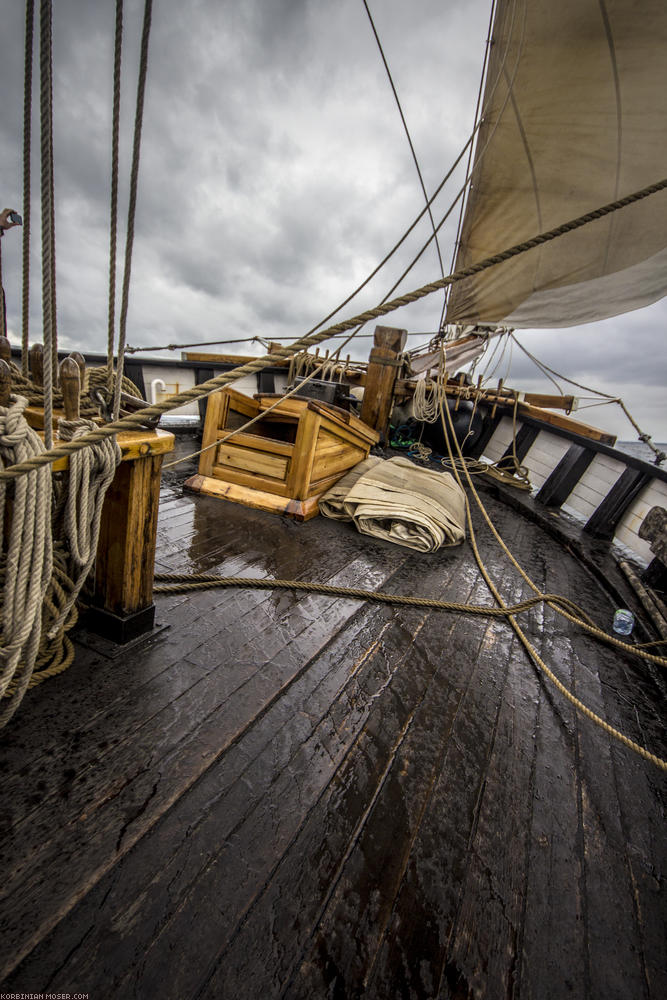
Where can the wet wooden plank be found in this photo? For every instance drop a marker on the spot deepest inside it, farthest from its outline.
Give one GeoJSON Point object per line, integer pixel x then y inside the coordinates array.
{"type": "Point", "coordinates": [342, 816]}
{"type": "Point", "coordinates": [340, 799]}
{"type": "Point", "coordinates": [111, 806]}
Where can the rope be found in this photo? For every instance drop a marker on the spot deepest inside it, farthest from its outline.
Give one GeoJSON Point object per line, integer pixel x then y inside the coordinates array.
{"type": "Point", "coordinates": [546, 370]}
{"type": "Point", "coordinates": [172, 583]}
{"type": "Point", "coordinates": [408, 137]}
{"type": "Point", "coordinates": [530, 649]}
{"type": "Point", "coordinates": [48, 228]}
{"type": "Point", "coordinates": [41, 579]}
{"type": "Point", "coordinates": [27, 145]}
{"type": "Point", "coordinates": [198, 392]}
{"type": "Point", "coordinates": [113, 210]}
{"type": "Point", "coordinates": [3, 319]}
{"type": "Point", "coordinates": [134, 180]}
{"type": "Point", "coordinates": [459, 224]}
{"type": "Point", "coordinates": [25, 568]}
{"type": "Point", "coordinates": [90, 475]}
{"type": "Point", "coordinates": [95, 379]}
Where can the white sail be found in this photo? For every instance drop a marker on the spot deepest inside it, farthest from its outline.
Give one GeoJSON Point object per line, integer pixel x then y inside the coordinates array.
{"type": "Point", "coordinates": [575, 116]}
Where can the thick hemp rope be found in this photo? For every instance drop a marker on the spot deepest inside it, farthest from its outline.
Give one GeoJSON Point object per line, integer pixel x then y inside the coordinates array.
{"type": "Point", "coordinates": [25, 569]}
{"type": "Point", "coordinates": [281, 353]}
{"type": "Point", "coordinates": [131, 211]}
{"type": "Point", "coordinates": [89, 476]}
{"type": "Point", "coordinates": [27, 143]}
{"type": "Point", "coordinates": [528, 646]}
{"type": "Point", "coordinates": [113, 208]}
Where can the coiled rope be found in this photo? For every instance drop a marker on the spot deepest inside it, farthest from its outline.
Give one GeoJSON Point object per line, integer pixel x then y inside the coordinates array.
{"type": "Point", "coordinates": [25, 569]}
{"type": "Point", "coordinates": [41, 579]}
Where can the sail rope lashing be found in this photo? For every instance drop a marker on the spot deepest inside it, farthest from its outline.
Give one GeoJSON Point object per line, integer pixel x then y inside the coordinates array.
{"type": "Point", "coordinates": [26, 565]}
{"type": "Point", "coordinates": [131, 211]}
{"type": "Point", "coordinates": [132, 422]}
{"type": "Point", "coordinates": [580, 619]}
{"type": "Point", "coordinates": [660, 456]}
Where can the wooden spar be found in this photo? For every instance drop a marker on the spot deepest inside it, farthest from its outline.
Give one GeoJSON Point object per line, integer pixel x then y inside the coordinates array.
{"type": "Point", "coordinates": [383, 366]}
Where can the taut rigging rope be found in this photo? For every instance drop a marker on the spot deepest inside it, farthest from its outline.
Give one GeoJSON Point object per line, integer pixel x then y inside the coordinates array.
{"type": "Point", "coordinates": [113, 209]}
{"type": "Point", "coordinates": [198, 392]}
{"type": "Point", "coordinates": [27, 146]}
{"type": "Point", "coordinates": [134, 180]}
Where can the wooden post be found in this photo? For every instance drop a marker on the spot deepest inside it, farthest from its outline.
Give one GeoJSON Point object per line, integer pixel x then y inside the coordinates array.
{"type": "Point", "coordinates": [5, 349]}
{"type": "Point", "coordinates": [123, 584]}
{"type": "Point", "coordinates": [5, 383]}
{"type": "Point", "coordinates": [36, 357]}
{"type": "Point", "coordinates": [70, 383]}
{"type": "Point", "coordinates": [383, 365]}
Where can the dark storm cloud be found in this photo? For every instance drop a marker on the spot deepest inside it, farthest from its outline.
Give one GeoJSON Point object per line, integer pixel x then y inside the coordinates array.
{"type": "Point", "coordinates": [274, 172]}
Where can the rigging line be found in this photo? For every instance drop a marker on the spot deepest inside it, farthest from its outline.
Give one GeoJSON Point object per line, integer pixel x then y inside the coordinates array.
{"type": "Point", "coordinates": [485, 63]}
{"type": "Point", "coordinates": [240, 340]}
{"type": "Point", "coordinates": [295, 390]}
{"type": "Point", "coordinates": [113, 214]}
{"type": "Point", "coordinates": [133, 422]}
{"type": "Point", "coordinates": [48, 226]}
{"type": "Point", "coordinates": [366, 280]}
{"type": "Point", "coordinates": [134, 179]}
{"type": "Point", "coordinates": [539, 365]}
{"type": "Point", "coordinates": [400, 242]}
{"type": "Point", "coordinates": [27, 144]}
{"type": "Point", "coordinates": [565, 378]}
{"type": "Point", "coordinates": [387, 256]}
{"type": "Point", "coordinates": [407, 135]}
{"type": "Point", "coordinates": [476, 156]}
{"type": "Point", "coordinates": [527, 644]}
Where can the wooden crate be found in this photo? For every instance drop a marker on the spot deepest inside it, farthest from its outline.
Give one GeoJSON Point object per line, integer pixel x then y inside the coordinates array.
{"type": "Point", "coordinates": [286, 460]}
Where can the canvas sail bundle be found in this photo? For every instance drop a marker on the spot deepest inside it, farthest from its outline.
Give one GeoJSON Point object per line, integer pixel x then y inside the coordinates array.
{"type": "Point", "coordinates": [574, 117]}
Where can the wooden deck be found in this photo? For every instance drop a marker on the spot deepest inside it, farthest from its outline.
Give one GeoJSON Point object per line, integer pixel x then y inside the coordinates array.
{"type": "Point", "coordinates": [281, 795]}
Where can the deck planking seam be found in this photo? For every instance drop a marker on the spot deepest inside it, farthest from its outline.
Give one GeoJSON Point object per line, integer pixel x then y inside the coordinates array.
{"type": "Point", "coordinates": [128, 883]}
{"type": "Point", "coordinates": [221, 959]}
{"type": "Point", "coordinates": [307, 813]}
{"type": "Point", "coordinates": [348, 681]}
{"type": "Point", "coordinates": [140, 772]}
{"type": "Point", "coordinates": [616, 694]}
{"type": "Point", "coordinates": [366, 974]}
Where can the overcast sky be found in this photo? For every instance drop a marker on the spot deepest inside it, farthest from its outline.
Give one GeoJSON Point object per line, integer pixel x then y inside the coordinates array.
{"type": "Point", "coordinates": [274, 176]}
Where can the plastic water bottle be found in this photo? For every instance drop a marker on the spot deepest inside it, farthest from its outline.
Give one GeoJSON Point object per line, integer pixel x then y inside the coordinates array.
{"type": "Point", "coordinates": [624, 621]}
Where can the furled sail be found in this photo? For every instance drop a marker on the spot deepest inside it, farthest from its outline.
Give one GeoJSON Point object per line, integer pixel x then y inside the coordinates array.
{"type": "Point", "coordinates": [574, 116]}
